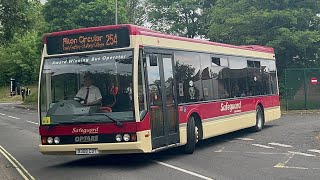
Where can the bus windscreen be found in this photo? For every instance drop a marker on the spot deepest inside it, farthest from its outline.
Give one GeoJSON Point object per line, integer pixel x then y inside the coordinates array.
{"type": "Point", "coordinates": [88, 41]}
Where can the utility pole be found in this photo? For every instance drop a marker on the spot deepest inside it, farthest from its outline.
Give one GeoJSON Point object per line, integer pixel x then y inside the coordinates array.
{"type": "Point", "coordinates": [116, 11]}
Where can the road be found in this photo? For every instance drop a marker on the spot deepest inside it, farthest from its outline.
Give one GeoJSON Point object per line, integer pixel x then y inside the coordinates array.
{"type": "Point", "coordinates": [288, 148]}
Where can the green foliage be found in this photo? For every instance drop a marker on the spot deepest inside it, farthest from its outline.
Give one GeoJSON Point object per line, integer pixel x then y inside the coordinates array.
{"type": "Point", "coordinates": [291, 27]}
{"type": "Point", "coordinates": [29, 100]}
{"type": "Point", "coordinates": [137, 11]}
{"type": "Point", "coordinates": [13, 18]}
{"type": "Point", "coordinates": [20, 60]}
{"type": "Point", "coordinates": [57, 12]}
{"type": "Point", "coordinates": [20, 48]}
{"type": "Point", "coordinates": [16, 16]}
{"type": "Point", "coordinates": [182, 17]}
{"type": "Point", "coordinates": [6, 97]}
{"type": "Point", "coordinates": [71, 14]}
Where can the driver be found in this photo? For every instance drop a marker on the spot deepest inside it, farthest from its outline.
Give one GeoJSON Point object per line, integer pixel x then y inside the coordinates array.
{"type": "Point", "coordinates": [90, 93]}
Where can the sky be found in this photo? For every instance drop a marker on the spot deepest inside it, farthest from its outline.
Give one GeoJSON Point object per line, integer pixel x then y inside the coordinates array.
{"type": "Point", "coordinates": [43, 1]}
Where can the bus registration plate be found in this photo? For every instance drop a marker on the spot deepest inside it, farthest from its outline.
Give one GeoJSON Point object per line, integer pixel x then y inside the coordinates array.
{"type": "Point", "coordinates": [87, 151]}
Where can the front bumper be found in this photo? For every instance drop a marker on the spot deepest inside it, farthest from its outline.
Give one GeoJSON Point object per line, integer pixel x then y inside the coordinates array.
{"type": "Point", "coordinates": [143, 145]}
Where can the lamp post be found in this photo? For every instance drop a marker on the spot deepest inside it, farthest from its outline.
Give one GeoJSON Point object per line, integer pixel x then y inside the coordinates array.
{"type": "Point", "coordinates": [116, 12]}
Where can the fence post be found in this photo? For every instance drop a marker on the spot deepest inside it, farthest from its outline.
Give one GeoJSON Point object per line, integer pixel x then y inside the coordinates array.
{"type": "Point", "coordinates": [285, 88]}
{"type": "Point", "coordinates": [305, 88]}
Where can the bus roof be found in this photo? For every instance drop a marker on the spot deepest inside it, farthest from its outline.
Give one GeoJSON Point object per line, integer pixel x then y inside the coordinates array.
{"type": "Point", "coordinates": [138, 30]}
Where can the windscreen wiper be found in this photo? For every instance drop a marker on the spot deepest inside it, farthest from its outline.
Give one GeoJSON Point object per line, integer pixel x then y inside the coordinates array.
{"type": "Point", "coordinates": [118, 123]}
{"type": "Point", "coordinates": [51, 126]}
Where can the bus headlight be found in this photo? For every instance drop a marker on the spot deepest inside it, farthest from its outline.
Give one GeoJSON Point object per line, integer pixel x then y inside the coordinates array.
{"type": "Point", "coordinates": [126, 137]}
{"type": "Point", "coordinates": [56, 140]}
{"type": "Point", "coordinates": [50, 140]}
{"type": "Point", "coordinates": [118, 137]}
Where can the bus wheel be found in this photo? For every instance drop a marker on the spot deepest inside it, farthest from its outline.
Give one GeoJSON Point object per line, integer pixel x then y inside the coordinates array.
{"type": "Point", "coordinates": [192, 132]}
{"type": "Point", "coordinates": [259, 120]}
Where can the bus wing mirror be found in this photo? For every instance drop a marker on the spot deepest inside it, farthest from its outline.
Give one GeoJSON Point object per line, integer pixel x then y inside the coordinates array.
{"type": "Point", "coordinates": [153, 60]}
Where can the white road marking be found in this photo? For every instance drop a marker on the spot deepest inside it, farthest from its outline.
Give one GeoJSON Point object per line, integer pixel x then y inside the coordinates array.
{"type": "Point", "coordinates": [183, 170]}
{"type": "Point", "coordinates": [245, 139]}
{"type": "Point", "coordinates": [314, 150]}
{"type": "Point", "coordinates": [13, 117]}
{"type": "Point", "coordinates": [281, 145]}
{"type": "Point", "coordinates": [289, 167]}
{"type": "Point", "coordinates": [263, 146]}
{"type": "Point", "coordinates": [22, 171]}
{"type": "Point", "coordinates": [2, 114]}
{"type": "Point", "coordinates": [302, 154]}
{"type": "Point", "coordinates": [220, 150]}
{"type": "Point", "coordinates": [247, 152]}
{"type": "Point", "coordinates": [32, 122]}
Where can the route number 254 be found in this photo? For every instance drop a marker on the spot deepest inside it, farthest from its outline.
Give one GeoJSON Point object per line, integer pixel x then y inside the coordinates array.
{"type": "Point", "coordinates": [112, 39]}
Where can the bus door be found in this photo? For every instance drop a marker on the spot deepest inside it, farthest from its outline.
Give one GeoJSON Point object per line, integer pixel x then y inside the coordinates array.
{"type": "Point", "coordinates": [162, 100]}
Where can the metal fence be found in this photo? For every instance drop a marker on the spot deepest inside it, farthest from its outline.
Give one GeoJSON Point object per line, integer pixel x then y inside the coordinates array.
{"type": "Point", "coordinates": [302, 89]}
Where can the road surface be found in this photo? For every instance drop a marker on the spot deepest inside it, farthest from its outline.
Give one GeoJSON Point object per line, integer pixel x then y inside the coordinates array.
{"type": "Point", "coordinates": [288, 148]}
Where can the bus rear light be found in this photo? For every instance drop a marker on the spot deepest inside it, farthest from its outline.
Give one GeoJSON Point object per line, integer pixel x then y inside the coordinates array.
{"type": "Point", "coordinates": [49, 140]}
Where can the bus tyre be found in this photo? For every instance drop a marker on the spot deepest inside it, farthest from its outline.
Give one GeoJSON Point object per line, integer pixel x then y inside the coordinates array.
{"type": "Point", "coordinates": [191, 136]}
{"type": "Point", "coordinates": [259, 120]}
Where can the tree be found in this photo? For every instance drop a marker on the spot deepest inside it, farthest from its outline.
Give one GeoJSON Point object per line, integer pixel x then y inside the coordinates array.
{"type": "Point", "coordinates": [16, 16]}
{"type": "Point", "coordinates": [291, 27]}
{"type": "Point", "coordinates": [57, 14]}
{"type": "Point", "coordinates": [137, 11]}
{"type": "Point", "coordinates": [71, 14]}
{"type": "Point", "coordinates": [182, 17]}
{"type": "Point", "coordinates": [21, 37]}
{"type": "Point", "coordinates": [20, 59]}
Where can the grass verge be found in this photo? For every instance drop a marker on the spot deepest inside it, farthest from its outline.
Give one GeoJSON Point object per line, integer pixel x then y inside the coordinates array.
{"type": "Point", "coordinates": [32, 99]}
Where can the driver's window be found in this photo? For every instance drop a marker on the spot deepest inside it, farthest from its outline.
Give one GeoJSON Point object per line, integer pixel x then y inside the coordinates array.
{"type": "Point", "coordinates": [64, 86]}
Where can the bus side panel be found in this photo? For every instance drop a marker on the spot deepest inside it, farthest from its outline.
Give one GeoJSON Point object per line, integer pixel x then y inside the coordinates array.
{"type": "Point", "coordinates": [225, 116]}
{"type": "Point", "coordinates": [183, 133]}
{"type": "Point", "coordinates": [228, 124]}
{"type": "Point", "coordinates": [277, 111]}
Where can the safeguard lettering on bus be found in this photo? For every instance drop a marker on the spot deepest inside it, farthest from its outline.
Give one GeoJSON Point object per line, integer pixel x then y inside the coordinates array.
{"type": "Point", "coordinates": [89, 42]}
{"type": "Point", "coordinates": [85, 130]}
{"type": "Point", "coordinates": [236, 107]}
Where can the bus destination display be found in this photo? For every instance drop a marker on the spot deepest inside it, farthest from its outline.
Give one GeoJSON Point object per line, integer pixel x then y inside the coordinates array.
{"type": "Point", "coordinates": [89, 41]}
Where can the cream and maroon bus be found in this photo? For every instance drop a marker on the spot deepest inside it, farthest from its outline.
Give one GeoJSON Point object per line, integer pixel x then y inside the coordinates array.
{"type": "Point", "coordinates": [158, 90]}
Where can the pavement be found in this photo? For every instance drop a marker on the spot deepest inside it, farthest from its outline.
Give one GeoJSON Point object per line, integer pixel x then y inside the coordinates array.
{"type": "Point", "coordinates": [25, 106]}
{"type": "Point", "coordinates": [28, 107]}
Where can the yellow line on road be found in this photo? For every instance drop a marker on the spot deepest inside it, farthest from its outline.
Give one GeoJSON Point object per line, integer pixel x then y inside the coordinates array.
{"type": "Point", "coordinates": [284, 161]}
{"type": "Point", "coordinates": [279, 165]}
{"type": "Point", "coordinates": [16, 164]}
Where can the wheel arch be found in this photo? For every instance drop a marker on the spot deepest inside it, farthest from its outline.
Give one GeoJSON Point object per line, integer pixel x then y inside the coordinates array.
{"type": "Point", "coordinates": [198, 123]}
{"type": "Point", "coordinates": [262, 108]}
